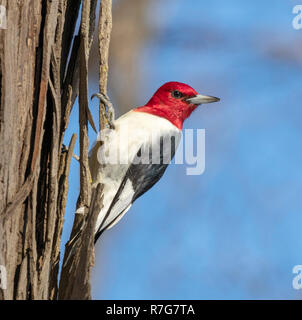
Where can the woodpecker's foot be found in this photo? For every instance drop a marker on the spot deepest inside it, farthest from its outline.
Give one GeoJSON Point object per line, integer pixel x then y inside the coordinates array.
{"type": "Point", "coordinates": [65, 149]}
{"type": "Point", "coordinates": [110, 113]}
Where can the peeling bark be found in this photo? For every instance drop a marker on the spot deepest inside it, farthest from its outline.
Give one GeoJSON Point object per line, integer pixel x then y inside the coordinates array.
{"type": "Point", "coordinates": [38, 86]}
{"type": "Point", "coordinates": [79, 251]}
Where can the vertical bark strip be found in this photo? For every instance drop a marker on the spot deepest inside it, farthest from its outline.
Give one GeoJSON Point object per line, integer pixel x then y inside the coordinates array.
{"type": "Point", "coordinates": [84, 199]}
{"type": "Point", "coordinates": [79, 251]}
{"type": "Point", "coordinates": [105, 28]}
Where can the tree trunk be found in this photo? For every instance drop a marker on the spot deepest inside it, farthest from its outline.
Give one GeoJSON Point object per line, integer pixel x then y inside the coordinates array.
{"type": "Point", "coordinates": [38, 86]}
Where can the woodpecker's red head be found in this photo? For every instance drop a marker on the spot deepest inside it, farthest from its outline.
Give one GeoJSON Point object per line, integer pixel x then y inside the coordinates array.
{"type": "Point", "coordinates": [175, 101]}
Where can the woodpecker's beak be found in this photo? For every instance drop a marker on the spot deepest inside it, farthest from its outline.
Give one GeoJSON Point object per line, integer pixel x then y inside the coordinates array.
{"type": "Point", "coordinates": [200, 99]}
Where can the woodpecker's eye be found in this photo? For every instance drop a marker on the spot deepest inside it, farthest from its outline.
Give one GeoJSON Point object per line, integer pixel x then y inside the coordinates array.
{"type": "Point", "coordinates": [176, 94]}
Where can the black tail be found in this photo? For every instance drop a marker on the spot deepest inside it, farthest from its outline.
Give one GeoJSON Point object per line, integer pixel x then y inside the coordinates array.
{"type": "Point", "coordinates": [97, 235]}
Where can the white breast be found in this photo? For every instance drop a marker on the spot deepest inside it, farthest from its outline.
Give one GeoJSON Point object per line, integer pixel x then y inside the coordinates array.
{"type": "Point", "coordinates": [132, 130]}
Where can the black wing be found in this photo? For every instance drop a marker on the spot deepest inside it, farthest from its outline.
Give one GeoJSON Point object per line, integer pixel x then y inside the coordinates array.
{"type": "Point", "coordinates": [143, 175]}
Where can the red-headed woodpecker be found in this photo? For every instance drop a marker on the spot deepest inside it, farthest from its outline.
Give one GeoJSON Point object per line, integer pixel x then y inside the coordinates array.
{"type": "Point", "coordinates": [130, 159]}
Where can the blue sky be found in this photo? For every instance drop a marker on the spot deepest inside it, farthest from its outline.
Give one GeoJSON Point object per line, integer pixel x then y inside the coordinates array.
{"type": "Point", "coordinates": [233, 232]}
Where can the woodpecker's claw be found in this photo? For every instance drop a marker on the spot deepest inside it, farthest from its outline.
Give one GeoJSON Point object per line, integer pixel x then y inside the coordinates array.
{"type": "Point", "coordinates": [110, 113]}
{"type": "Point", "coordinates": [65, 149]}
